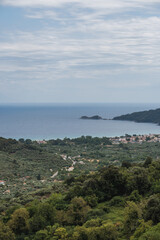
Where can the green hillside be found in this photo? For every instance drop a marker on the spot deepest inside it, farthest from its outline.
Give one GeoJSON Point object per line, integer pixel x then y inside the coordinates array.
{"type": "Point", "coordinates": [102, 191]}
{"type": "Point", "coordinates": [151, 116]}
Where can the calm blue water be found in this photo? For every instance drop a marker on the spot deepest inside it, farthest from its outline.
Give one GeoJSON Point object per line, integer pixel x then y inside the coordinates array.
{"type": "Point", "coordinates": [62, 120]}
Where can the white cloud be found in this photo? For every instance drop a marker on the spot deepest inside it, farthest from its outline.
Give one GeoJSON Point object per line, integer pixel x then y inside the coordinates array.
{"type": "Point", "coordinates": [114, 4]}
{"type": "Point", "coordinates": [134, 42]}
{"type": "Point", "coordinates": [83, 41]}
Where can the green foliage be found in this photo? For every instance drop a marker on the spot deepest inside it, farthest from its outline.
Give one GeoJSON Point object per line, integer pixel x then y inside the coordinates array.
{"type": "Point", "coordinates": [60, 234]}
{"type": "Point", "coordinates": [90, 203]}
{"type": "Point", "coordinates": [141, 229]}
{"type": "Point", "coordinates": [52, 233]}
{"type": "Point", "coordinates": [42, 235]}
{"type": "Point", "coordinates": [155, 187]}
{"type": "Point", "coordinates": [105, 232]}
{"type": "Point", "coordinates": [92, 200]}
{"type": "Point", "coordinates": [77, 211]}
{"type": "Point", "coordinates": [134, 196]}
{"type": "Point", "coordinates": [7, 144]}
{"type": "Point", "coordinates": [21, 140]}
{"type": "Point", "coordinates": [117, 201]}
{"type": "Point", "coordinates": [57, 201]}
{"type": "Point", "coordinates": [151, 116]}
{"type": "Point", "coordinates": [132, 215]}
{"type": "Point", "coordinates": [95, 213]}
{"type": "Point", "coordinates": [9, 212]}
{"type": "Point", "coordinates": [28, 141]}
{"type": "Point", "coordinates": [44, 215]}
{"type": "Point", "coordinates": [6, 232]}
{"type": "Point", "coordinates": [19, 221]}
{"type": "Point", "coordinates": [112, 183]}
{"type": "Point", "coordinates": [153, 209]}
{"type": "Point", "coordinates": [147, 162]}
{"type": "Point", "coordinates": [152, 234]}
{"type": "Point", "coordinates": [138, 179]}
{"type": "Point", "coordinates": [126, 164]}
{"type": "Point", "coordinates": [70, 180]}
{"type": "Point", "coordinates": [93, 223]}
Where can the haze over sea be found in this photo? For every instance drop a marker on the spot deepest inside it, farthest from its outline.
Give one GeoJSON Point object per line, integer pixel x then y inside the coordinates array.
{"type": "Point", "coordinates": [51, 121]}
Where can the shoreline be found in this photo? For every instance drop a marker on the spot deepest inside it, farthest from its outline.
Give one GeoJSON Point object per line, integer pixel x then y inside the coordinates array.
{"type": "Point", "coordinates": [127, 138]}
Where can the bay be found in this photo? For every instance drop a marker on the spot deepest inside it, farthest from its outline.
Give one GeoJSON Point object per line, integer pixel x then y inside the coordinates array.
{"type": "Point", "coordinates": [51, 121]}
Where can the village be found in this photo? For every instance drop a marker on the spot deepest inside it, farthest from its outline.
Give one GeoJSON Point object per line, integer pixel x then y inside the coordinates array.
{"type": "Point", "coordinates": [127, 139]}
{"type": "Point", "coordinates": [136, 139]}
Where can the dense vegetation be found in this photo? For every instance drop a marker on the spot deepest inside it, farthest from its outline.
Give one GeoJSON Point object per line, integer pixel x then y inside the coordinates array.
{"type": "Point", "coordinates": [113, 195]}
{"type": "Point", "coordinates": [151, 116]}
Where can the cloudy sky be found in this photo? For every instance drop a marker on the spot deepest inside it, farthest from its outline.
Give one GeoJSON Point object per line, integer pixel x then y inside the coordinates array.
{"type": "Point", "coordinates": [79, 51]}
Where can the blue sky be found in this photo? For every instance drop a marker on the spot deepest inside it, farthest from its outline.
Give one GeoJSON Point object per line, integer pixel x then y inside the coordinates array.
{"type": "Point", "coordinates": [79, 51]}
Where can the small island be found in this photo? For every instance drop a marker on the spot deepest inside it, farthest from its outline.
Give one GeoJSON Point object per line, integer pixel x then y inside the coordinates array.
{"type": "Point", "coordinates": [96, 117]}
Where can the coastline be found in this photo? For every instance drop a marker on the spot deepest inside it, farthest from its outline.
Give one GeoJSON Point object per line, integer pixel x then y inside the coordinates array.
{"type": "Point", "coordinates": [60, 121]}
{"type": "Point", "coordinates": [114, 140]}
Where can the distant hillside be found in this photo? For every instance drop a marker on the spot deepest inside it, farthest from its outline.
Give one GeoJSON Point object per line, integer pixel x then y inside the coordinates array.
{"type": "Point", "coordinates": [151, 116]}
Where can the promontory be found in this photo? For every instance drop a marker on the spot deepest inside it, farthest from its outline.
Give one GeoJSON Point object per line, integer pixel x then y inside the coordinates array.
{"type": "Point", "coordinates": [150, 116]}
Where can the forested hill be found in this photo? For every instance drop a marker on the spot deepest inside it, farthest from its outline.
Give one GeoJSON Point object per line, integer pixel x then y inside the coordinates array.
{"type": "Point", "coordinates": [151, 116]}
{"type": "Point", "coordinates": [79, 189]}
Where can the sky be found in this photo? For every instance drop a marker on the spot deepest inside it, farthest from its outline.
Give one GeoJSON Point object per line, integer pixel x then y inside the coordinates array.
{"type": "Point", "coordinates": [54, 51]}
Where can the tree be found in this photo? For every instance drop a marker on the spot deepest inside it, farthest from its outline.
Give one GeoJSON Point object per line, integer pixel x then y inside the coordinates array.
{"type": "Point", "coordinates": [111, 182]}
{"type": "Point", "coordinates": [77, 211]}
{"type": "Point", "coordinates": [21, 140]}
{"type": "Point", "coordinates": [80, 233]}
{"type": "Point", "coordinates": [153, 233]}
{"type": "Point", "coordinates": [126, 164]}
{"type": "Point", "coordinates": [93, 223]}
{"type": "Point", "coordinates": [5, 232]}
{"type": "Point", "coordinates": [60, 234]}
{"type": "Point", "coordinates": [141, 229]}
{"type": "Point", "coordinates": [134, 196]}
{"type": "Point", "coordinates": [147, 162]}
{"type": "Point", "coordinates": [52, 232]}
{"type": "Point", "coordinates": [105, 232]}
{"type": "Point", "coordinates": [132, 215]}
{"type": "Point", "coordinates": [92, 200]}
{"type": "Point", "coordinates": [138, 180]}
{"type": "Point", "coordinates": [39, 176]}
{"type": "Point", "coordinates": [153, 209]}
{"type": "Point", "coordinates": [44, 216]}
{"type": "Point", "coordinates": [19, 221]}
{"type": "Point", "coordinates": [42, 235]}
{"type": "Point", "coordinates": [28, 141]}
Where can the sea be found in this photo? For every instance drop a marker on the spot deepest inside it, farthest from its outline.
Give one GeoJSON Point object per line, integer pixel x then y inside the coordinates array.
{"type": "Point", "coordinates": [52, 121]}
